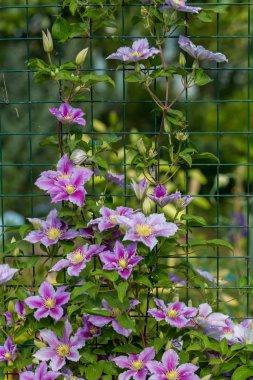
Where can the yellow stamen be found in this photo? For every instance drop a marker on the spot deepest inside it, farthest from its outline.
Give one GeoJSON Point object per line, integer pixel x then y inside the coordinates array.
{"type": "Point", "coordinates": [172, 313]}
{"type": "Point", "coordinates": [53, 233]}
{"type": "Point", "coordinates": [137, 364]}
{"type": "Point", "coordinates": [172, 375]}
{"type": "Point", "coordinates": [70, 189]}
{"type": "Point", "coordinates": [7, 355]}
{"type": "Point", "coordinates": [68, 117]}
{"type": "Point", "coordinates": [135, 54]}
{"type": "Point", "coordinates": [112, 219]}
{"type": "Point", "coordinates": [144, 230]}
{"type": "Point", "coordinates": [178, 2]}
{"type": "Point", "coordinates": [122, 263]}
{"type": "Point", "coordinates": [77, 257]}
{"type": "Point", "coordinates": [63, 350]}
{"type": "Point", "coordinates": [116, 312]}
{"type": "Point", "coordinates": [49, 303]}
{"type": "Point", "coordinates": [93, 330]}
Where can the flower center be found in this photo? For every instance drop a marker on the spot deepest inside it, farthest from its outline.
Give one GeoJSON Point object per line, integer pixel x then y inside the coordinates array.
{"type": "Point", "coordinates": [7, 355]}
{"type": "Point", "coordinates": [172, 375]}
{"type": "Point", "coordinates": [144, 230]}
{"type": "Point", "coordinates": [137, 364]}
{"type": "Point", "coordinates": [172, 313]}
{"type": "Point", "coordinates": [68, 117]}
{"type": "Point", "coordinates": [70, 189]}
{"type": "Point", "coordinates": [49, 303]}
{"type": "Point", "coordinates": [93, 330]}
{"type": "Point", "coordinates": [179, 2]}
{"type": "Point", "coordinates": [116, 312]}
{"type": "Point", "coordinates": [53, 233]}
{"type": "Point", "coordinates": [77, 257]}
{"type": "Point", "coordinates": [112, 219]}
{"type": "Point", "coordinates": [63, 350]}
{"type": "Point", "coordinates": [122, 263]}
{"type": "Point", "coordinates": [135, 54]}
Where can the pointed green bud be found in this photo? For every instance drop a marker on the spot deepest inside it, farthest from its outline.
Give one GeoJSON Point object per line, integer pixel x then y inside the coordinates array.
{"type": "Point", "coordinates": [81, 56]}
{"type": "Point", "coordinates": [141, 147]}
{"type": "Point", "coordinates": [182, 60]}
{"type": "Point", "coordinates": [207, 377]}
{"type": "Point", "coordinates": [47, 42]}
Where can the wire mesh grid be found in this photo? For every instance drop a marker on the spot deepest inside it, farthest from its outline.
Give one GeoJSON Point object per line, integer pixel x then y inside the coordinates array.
{"type": "Point", "coordinates": [219, 120]}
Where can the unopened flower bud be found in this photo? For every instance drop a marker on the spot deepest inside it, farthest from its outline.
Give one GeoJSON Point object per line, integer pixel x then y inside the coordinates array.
{"type": "Point", "coordinates": [176, 298]}
{"type": "Point", "coordinates": [182, 60]}
{"type": "Point", "coordinates": [207, 377]}
{"type": "Point", "coordinates": [195, 360]}
{"type": "Point", "coordinates": [141, 147]}
{"type": "Point", "coordinates": [39, 343]}
{"type": "Point", "coordinates": [168, 345]}
{"type": "Point", "coordinates": [80, 58]}
{"type": "Point", "coordinates": [190, 303]}
{"type": "Point", "coordinates": [11, 306]}
{"type": "Point", "coordinates": [161, 336]}
{"type": "Point", "coordinates": [78, 156]}
{"type": "Point", "coordinates": [47, 42]}
{"type": "Point", "coordinates": [146, 206]}
{"type": "Point", "coordinates": [195, 64]}
{"type": "Point", "coordinates": [181, 136]}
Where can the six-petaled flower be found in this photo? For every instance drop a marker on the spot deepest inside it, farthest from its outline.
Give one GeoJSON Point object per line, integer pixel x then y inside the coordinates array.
{"type": "Point", "coordinates": [67, 114]}
{"type": "Point", "coordinates": [139, 51]}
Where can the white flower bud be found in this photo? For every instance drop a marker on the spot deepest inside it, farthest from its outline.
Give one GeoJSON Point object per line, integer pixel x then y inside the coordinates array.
{"type": "Point", "coordinates": [47, 42]}
{"type": "Point", "coordinates": [78, 156]}
{"type": "Point", "coordinates": [80, 58]}
{"type": "Point", "coordinates": [141, 147]}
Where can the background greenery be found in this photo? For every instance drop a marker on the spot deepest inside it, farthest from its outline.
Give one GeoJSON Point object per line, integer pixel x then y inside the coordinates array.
{"type": "Point", "coordinates": [219, 121]}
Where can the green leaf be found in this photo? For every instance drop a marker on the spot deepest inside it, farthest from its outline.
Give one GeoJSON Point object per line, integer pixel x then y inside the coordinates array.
{"type": "Point", "coordinates": [101, 162]}
{"type": "Point", "coordinates": [60, 29]}
{"type": "Point", "coordinates": [23, 230]}
{"type": "Point", "coordinates": [94, 372]}
{"type": "Point", "coordinates": [224, 346]}
{"type": "Point", "coordinates": [126, 321]}
{"type": "Point", "coordinates": [206, 155]}
{"type": "Point", "coordinates": [82, 289]}
{"type": "Point", "coordinates": [143, 280]}
{"type": "Point", "coordinates": [212, 243]}
{"type": "Point", "coordinates": [204, 17]}
{"type": "Point", "coordinates": [131, 78]}
{"type": "Point", "coordinates": [242, 373]}
{"type": "Point", "coordinates": [187, 158]}
{"type": "Point", "coordinates": [127, 348]}
{"type": "Point", "coordinates": [112, 275]}
{"type": "Point", "coordinates": [122, 289]}
{"type": "Point", "coordinates": [201, 78]}
{"type": "Point", "coordinates": [93, 78]}
{"type": "Point", "coordinates": [103, 313]}
{"type": "Point", "coordinates": [194, 220]}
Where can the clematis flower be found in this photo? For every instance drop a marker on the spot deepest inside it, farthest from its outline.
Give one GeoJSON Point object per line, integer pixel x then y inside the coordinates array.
{"type": "Point", "coordinates": [146, 229]}
{"type": "Point", "coordinates": [89, 331]}
{"type": "Point", "coordinates": [76, 260]}
{"type": "Point", "coordinates": [123, 259]}
{"type": "Point", "coordinates": [219, 333]}
{"type": "Point", "coordinates": [176, 314]}
{"type": "Point", "coordinates": [108, 218]}
{"type": "Point", "coordinates": [59, 349]}
{"type": "Point", "coordinates": [206, 318]}
{"type": "Point", "coordinates": [20, 309]}
{"type": "Point", "coordinates": [180, 5]}
{"type": "Point", "coordinates": [140, 50]}
{"type": "Point", "coordinates": [8, 316]}
{"type": "Point", "coordinates": [66, 183]}
{"type": "Point", "coordinates": [7, 351]}
{"type": "Point", "coordinates": [49, 302]}
{"type": "Point", "coordinates": [49, 231]}
{"type": "Point", "coordinates": [118, 179]}
{"type": "Point", "coordinates": [135, 363]}
{"type": "Point", "coordinates": [160, 196]}
{"type": "Point", "coordinates": [176, 280]}
{"type": "Point", "coordinates": [140, 188]}
{"type": "Point", "coordinates": [100, 321]}
{"type": "Point", "coordinates": [199, 52]}
{"type": "Point", "coordinates": [41, 373]}
{"type": "Point", "coordinates": [168, 368]}
{"type": "Point", "coordinates": [208, 276]}
{"type": "Point", "coordinates": [67, 114]}
{"type": "Point", "coordinates": [6, 273]}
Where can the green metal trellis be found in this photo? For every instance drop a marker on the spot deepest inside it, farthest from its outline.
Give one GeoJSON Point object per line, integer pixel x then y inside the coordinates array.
{"type": "Point", "coordinates": [31, 166]}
